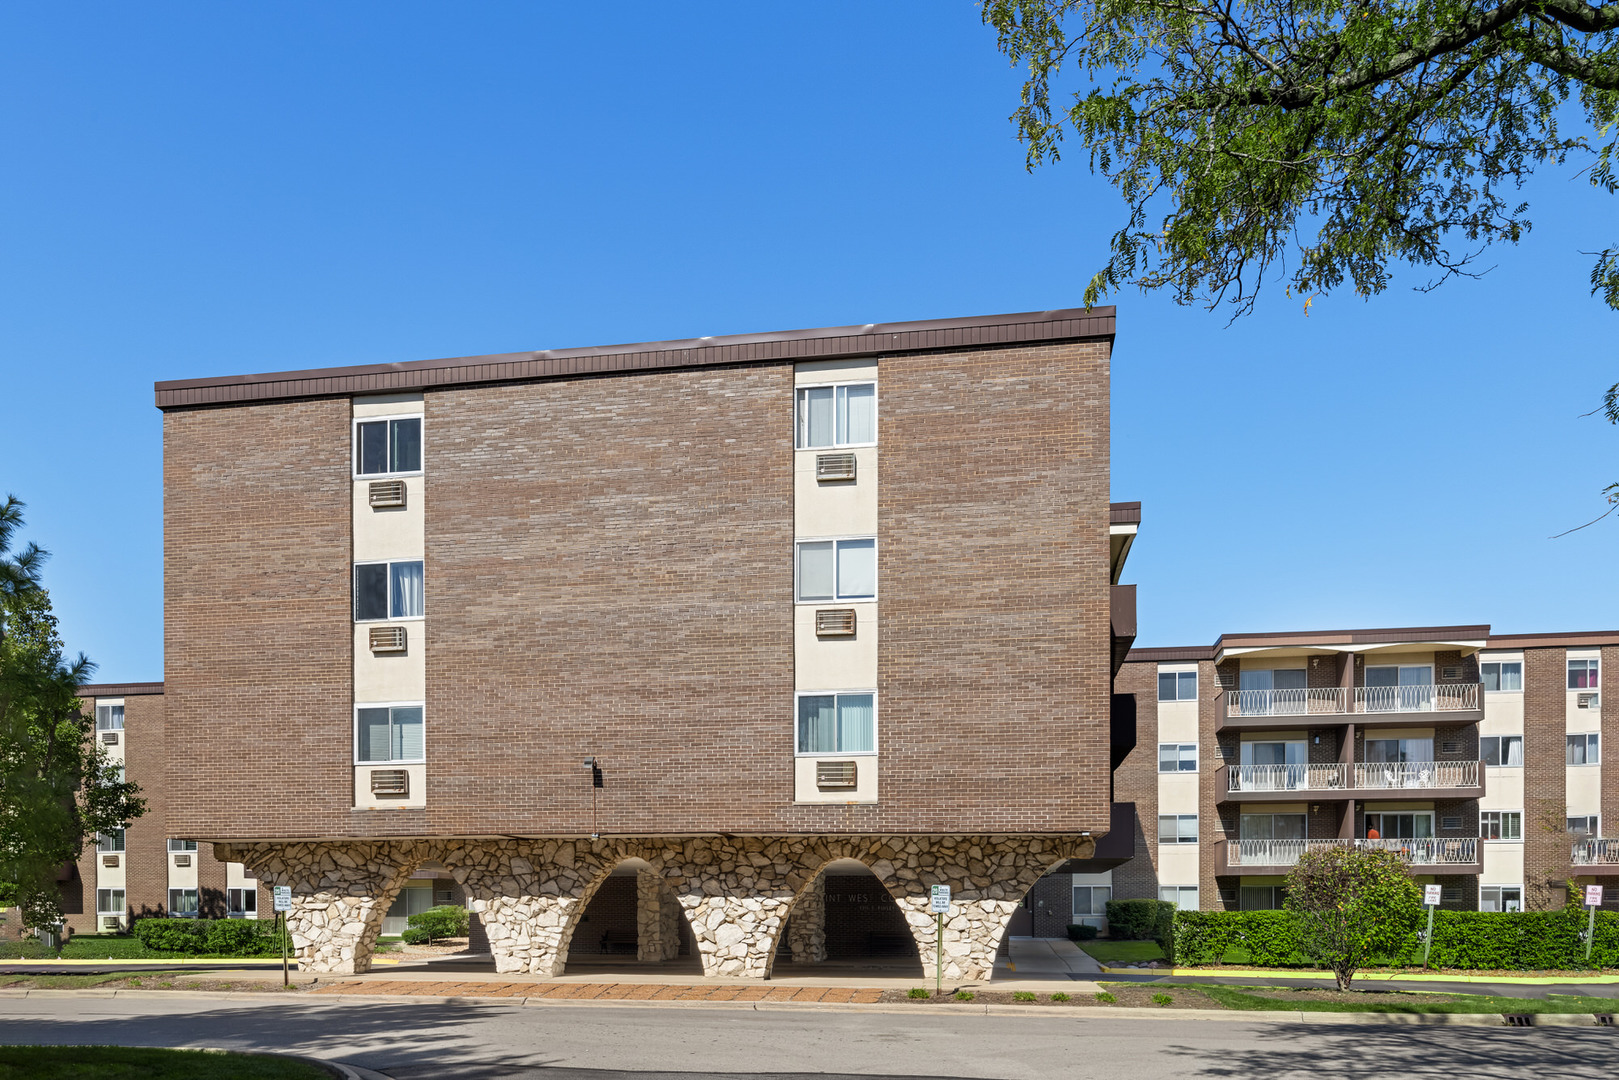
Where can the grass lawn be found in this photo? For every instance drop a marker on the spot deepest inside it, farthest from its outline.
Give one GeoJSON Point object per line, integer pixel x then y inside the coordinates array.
{"type": "Point", "coordinates": [1122, 952]}
{"type": "Point", "coordinates": [1384, 1001]}
{"type": "Point", "coordinates": [139, 1063]}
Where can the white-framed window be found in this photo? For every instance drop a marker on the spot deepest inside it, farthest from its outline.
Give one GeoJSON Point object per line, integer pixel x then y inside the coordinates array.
{"type": "Point", "coordinates": [388, 590]}
{"type": "Point", "coordinates": [389, 733]}
{"type": "Point", "coordinates": [1584, 675]}
{"type": "Point", "coordinates": [242, 903]}
{"type": "Point", "coordinates": [1502, 751]}
{"type": "Point", "coordinates": [1177, 828]}
{"type": "Point", "coordinates": [837, 414]}
{"type": "Point", "coordinates": [1502, 675]}
{"type": "Point", "coordinates": [182, 845]}
{"type": "Point", "coordinates": [109, 718]}
{"type": "Point", "coordinates": [1262, 897]}
{"type": "Point", "coordinates": [1184, 897]}
{"type": "Point", "coordinates": [1501, 825]}
{"type": "Point", "coordinates": [1090, 901]}
{"type": "Point", "coordinates": [1585, 749]}
{"type": "Point", "coordinates": [1272, 826]}
{"type": "Point", "coordinates": [841, 723]}
{"type": "Point", "coordinates": [182, 903]}
{"type": "Point", "coordinates": [1500, 898]}
{"type": "Point", "coordinates": [1585, 825]}
{"type": "Point", "coordinates": [112, 840]}
{"type": "Point", "coordinates": [1399, 751]}
{"type": "Point", "coordinates": [1399, 825]}
{"type": "Point", "coordinates": [830, 570]}
{"type": "Point", "coordinates": [109, 901]}
{"type": "Point", "coordinates": [388, 446]}
{"type": "Point", "coordinates": [1177, 686]}
{"type": "Point", "coordinates": [1177, 757]}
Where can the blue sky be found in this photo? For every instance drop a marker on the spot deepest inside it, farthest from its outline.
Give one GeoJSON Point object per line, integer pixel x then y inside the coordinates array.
{"type": "Point", "coordinates": [195, 189]}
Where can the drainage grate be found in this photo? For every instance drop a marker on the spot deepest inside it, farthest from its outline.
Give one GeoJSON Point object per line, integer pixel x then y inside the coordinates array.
{"type": "Point", "coordinates": [1519, 1019]}
{"type": "Point", "coordinates": [1604, 1019]}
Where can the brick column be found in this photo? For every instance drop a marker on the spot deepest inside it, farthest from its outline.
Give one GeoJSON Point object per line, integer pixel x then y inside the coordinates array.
{"type": "Point", "coordinates": [806, 930]}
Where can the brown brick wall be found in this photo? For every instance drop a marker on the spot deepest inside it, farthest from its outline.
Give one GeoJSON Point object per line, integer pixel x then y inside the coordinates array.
{"type": "Point", "coordinates": [1610, 746]}
{"type": "Point", "coordinates": [257, 631]}
{"type": "Point", "coordinates": [610, 915]}
{"type": "Point", "coordinates": [1214, 825]}
{"type": "Point", "coordinates": [1545, 818]}
{"type": "Point", "coordinates": [146, 859]}
{"type": "Point", "coordinates": [1136, 780]}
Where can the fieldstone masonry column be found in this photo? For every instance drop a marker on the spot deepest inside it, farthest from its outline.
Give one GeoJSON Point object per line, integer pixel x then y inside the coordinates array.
{"type": "Point", "coordinates": [657, 919]}
{"type": "Point", "coordinates": [806, 930]}
{"type": "Point", "coordinates": [529, 896]}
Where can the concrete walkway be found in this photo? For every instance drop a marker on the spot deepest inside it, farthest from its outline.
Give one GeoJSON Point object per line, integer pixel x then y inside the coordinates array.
{"type": "Point", "coordinates": [1036, 958]}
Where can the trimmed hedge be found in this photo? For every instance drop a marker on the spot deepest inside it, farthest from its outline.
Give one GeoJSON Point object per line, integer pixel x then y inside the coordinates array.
{"type": "Point", "coordinates": [1081, 932]}
{"type": "Point", "coordinates": [1140, 920]}
{"type": "Point", "coordinates": [198, 937]}
{"type": "Point", "coordinates": [1463, 940]}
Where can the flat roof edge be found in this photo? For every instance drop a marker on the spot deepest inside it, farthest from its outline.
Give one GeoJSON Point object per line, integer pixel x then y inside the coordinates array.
{"type": "Point", "coordinates": [127, 689]}
{"type": "Point", "coordinates": [823, 343]}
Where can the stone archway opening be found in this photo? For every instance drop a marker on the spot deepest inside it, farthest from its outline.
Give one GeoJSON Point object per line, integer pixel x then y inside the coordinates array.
{"type": "Point", "coordinates": [847, 920]}
{"type": "Point", "coordinates": [633, 922]}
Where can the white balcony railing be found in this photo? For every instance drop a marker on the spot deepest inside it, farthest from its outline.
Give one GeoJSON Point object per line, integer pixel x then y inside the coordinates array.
{"type": "Point", "coordinates": [1595, 851]}
{"type": "Point", "coordinates": [1340, 701]}
{"type": "Point", "coordinates": [1427, 775]}
{"type": "Point", "coordinates": [1427, 851]}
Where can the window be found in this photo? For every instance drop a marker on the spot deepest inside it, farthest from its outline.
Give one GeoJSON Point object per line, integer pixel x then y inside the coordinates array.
{"type": "Point", "coordinates": [1501, 825]}
{"type": "Point", "coordinates": [1584, 749]}
{"type": "Point", "coordinates": [109, 718]}
{"type": "Point", "coordinates": [1177, 686]}
{"type": "Point", "coordinates": [1584, 675]}
{"type": "Point", "coordinates": [1263, 897]}
{"type": "Point", "coordinates": [1504, 751]}
{"type": "Point", "coordinates": [109, 901]}
{"type": "Point", "coordinates": [382, 447]}
{"type": "Point", "coordinates": [1271, 827]}
{"type": "Point", "coordinates": [837, 723]}
{"type": "Point", "coordinates": [182, 845]}
{"type": "Point", "coordinates": [1586, 825]}
{"type": "Point", "coordinates": [1398, 688]}
{"type": "Point", "coordinates": [1184, 897]}
{"type": "Point", "coordinates": [1272, 766]}
{"type": "Point", "coordinates": [1280, 691]}
{"type": "Point", "coordinates": [1503, 675]}
{"type": "Point", "coordinates": [841, 415]}
{"type": "Point", "coordinates": [242, 903]}
{"type": "Point", "coordinates": [1177, 757]}
{"type": "Point", "coordinates": [386, 733]}
{"type": "Point", "coordinates": [388, 590]}
{"type": "Point", "coordinates": [1386, 825]}
{"type": "Point", "coordinates": [1091, 900]}
{"type": "Point", "coordinates": [182, 903]}
{"type": "Point", "coordinates": [1500, 898]}
{"type": "Point", "coordinates": [837, 570]}
{"type": "Point", "coordinates": [1177, 828]}
{"type": "Point", "coordinates": [110, 841]}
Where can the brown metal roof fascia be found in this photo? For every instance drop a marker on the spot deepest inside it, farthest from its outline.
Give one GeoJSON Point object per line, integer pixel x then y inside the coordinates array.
{"type": "Point", "coordinates": [1124, 513]}
{"type": "Point", "coordinates": [1169, 656]}
{"type": "Point", "coordinates": [1575, 639]}
{"type": "Point", "coordinates": [124, 689]}
{"type": "Point", "coordinates": [1355, 637]}
{"type": "Point", "coordinates": [825, 343]}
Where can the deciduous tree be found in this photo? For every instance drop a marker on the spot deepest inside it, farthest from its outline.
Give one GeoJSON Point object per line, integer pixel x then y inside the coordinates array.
{"type": "Point", "coordinates": [1351, 904]}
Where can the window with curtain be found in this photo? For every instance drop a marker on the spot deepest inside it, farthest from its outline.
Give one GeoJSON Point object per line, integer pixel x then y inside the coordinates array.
{"type": "Point", "coordinates": [1585, 749]}
{"type": "Point", "coordinates": [1584, 675]}
{"type": "Point", "coordinates": [1177, 757]}
{"type": "Point", "coordinates": [1263, 897]}
{"type": "Point", "coordinates": [382, 447]}
{"type": "Point", "coordinates": [844, 414]}
{"type": "Point", "coordinates": [837, 723]}
{"type": "Point", "coordinates": [109, 718]}
{"type": "Point", "coordinates": [1399, 826]}
{"type": "Point", "coordinates": [388, 733]}
{"type": "Point", "coordinates": [1501, 825]}
{"type": "Point", "coordinates": [182, 903]}
{"type": "Point", "coordinates": [112, 840]}
{"type": "Point", "coordinates": [1502, 675]}
{"type": "Point", "coordinates": [1398, 751]}
{"type": "Point", "coordinates": [831, 570]}
{"type": "Point", "coordinates": [1502, 751]}
{"type": "Point", "coordinates": [109, 901]}
{"type": "Point", "coordinates": [241, 903]}
{"type": "Point", "coordinates": [1271, 827]}
{"type": "Point", "coordinates": [388, 590]}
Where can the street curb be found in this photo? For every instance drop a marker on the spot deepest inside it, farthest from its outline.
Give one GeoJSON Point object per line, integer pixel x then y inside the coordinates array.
{"type": "Point", "coordinates": [1080, 1013]}
{"type": "Point", "coordinates": [1272, 973]}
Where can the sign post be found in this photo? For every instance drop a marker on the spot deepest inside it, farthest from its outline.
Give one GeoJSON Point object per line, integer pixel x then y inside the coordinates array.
{"type": "Point", "coordinates": [1593, 900]}
{"type": "Point", "coordinates": [282, 895]}
{"type": "Point", "coordinates": [940, 906]}
{"type": "Point", "coordinates": [1430, 899]}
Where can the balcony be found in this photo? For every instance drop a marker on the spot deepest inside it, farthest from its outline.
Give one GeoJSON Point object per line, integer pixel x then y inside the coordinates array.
{"type": "Point", "coordinates": [1432, 855]}
{"type": "Point", "coordinates": [1386, 706]}
{"type": "Point", "coordinates": [1594, 852]}
{"type": "Point", "coordinates": [1348, 780]}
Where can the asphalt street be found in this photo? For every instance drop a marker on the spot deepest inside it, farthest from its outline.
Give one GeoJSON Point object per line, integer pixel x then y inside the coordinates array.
{"type": "Point", "coordinates": [462, 1042]}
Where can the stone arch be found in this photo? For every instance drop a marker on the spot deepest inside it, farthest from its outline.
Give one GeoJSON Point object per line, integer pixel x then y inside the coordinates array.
{"type": "Point", "coordinates": [657, 914]}
{"type": "Point", "coordinates": [807, 931]}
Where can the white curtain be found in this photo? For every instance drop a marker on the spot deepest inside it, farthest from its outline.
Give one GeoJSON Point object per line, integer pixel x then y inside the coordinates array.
{"type": "Point", "coordinates": [406, 590]}
{"type": "Point", "coordinates": [815, 426]}
{"type": "Point", "coordinates": [1513, 751]}
{"type": "Point", "coordinates": [857, 728]}
{"type": "Point", "coordinates": [857, 569]}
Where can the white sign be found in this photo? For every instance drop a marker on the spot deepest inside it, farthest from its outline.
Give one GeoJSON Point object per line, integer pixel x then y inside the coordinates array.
{"type": "Point", "coordinates": [941, 900]}
{"type": "Point", "coordinates": [1430, 895]}
{"type": "Point", "coordinates": [1593, 896]}
{"type": "Point", "coordinates": [283, 897]}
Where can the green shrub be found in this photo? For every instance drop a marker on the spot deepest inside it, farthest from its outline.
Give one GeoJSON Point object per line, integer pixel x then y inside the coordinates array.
{"type": "Point", "coordinates": [1203, 937]}
{"type": "Point", "coordinates": [965, 995]}
{"type": "Point", "coordinates": [1139, 920]}
{"type": "Point", "coordinates": [1162, 999]}
{"type": "Point", "coordinates": [1022, 995]}
{"type": "Point", "coordinates": [172, 935]}
{"type": "Point", "coordinates": [447, 921]}
{"type": "Point", "coordinates": [918, 993]}
{"type": "Point", "coordinates": [101, 947]}
{"type": "Point", "coordinates": [1059, 996]}
{"type": "Point", "coordinates": [1081, 932]}
{"type": "Point", "coordinates": [238, 937]}
{"type": "Point", "coordinates": [415, 935]}
{"type": "Point", "coordinates": [1103, 996]}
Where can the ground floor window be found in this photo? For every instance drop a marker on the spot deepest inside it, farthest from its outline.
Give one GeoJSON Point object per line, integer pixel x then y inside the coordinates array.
{"type": "Point", "coordinates": [1263, 897]}
{"type": "Point", "coordinates": [1184, 897]}
{"type": "Point", "coordinates": [1091, 901]}
{"type": "Point", "coordinates": [242, 903]}
{"type": "Point", "coordinates": [1500, 898]}
{"type": "Point", "coordinates": [109, 901]}
{"type": "Point", "coordinates": [182, 903]}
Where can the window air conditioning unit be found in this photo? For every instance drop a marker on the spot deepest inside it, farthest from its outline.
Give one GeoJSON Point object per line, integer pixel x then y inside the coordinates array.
{"type": "Point", "coordinates": [1452, 822]}
{"type": "Point", "coordinates": [182, 860]}
{"type": "Point", "coordinates": [834, 466]}
{"type": "Point", "coordinates": [109, 860]}
{"type": "Point", "coordinates": [1451, 894]}
{"type": "Point", "coordinates": [443, 896]}
{"type": "Point", "coordinates": [390, 782]}
{"type": "Point", "coordinates": [1451, 673]}
{"type": "Point", "coordinates": [109, 738]}
{"type": "Point", "coordinates": [1451, 746]}
{"type": "Point", "coordinates": [834, 622]}
{"type": "Point", "coordinates": [387, 639]}
{"type": "Point", "coordinates": [385, 493]}
{"type": "Point", "coordinates": [1588, 701]}
{"type": "Point", "coordinates": [111, 922]}
{"type": "Point", "coordinates": [835, 775]}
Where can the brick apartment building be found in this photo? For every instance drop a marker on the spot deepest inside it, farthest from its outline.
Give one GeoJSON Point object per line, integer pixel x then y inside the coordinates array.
{"type": "Point", "coordinates": [683, 630]}
{"type": "Point", "coordinates": [1477, 756]}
